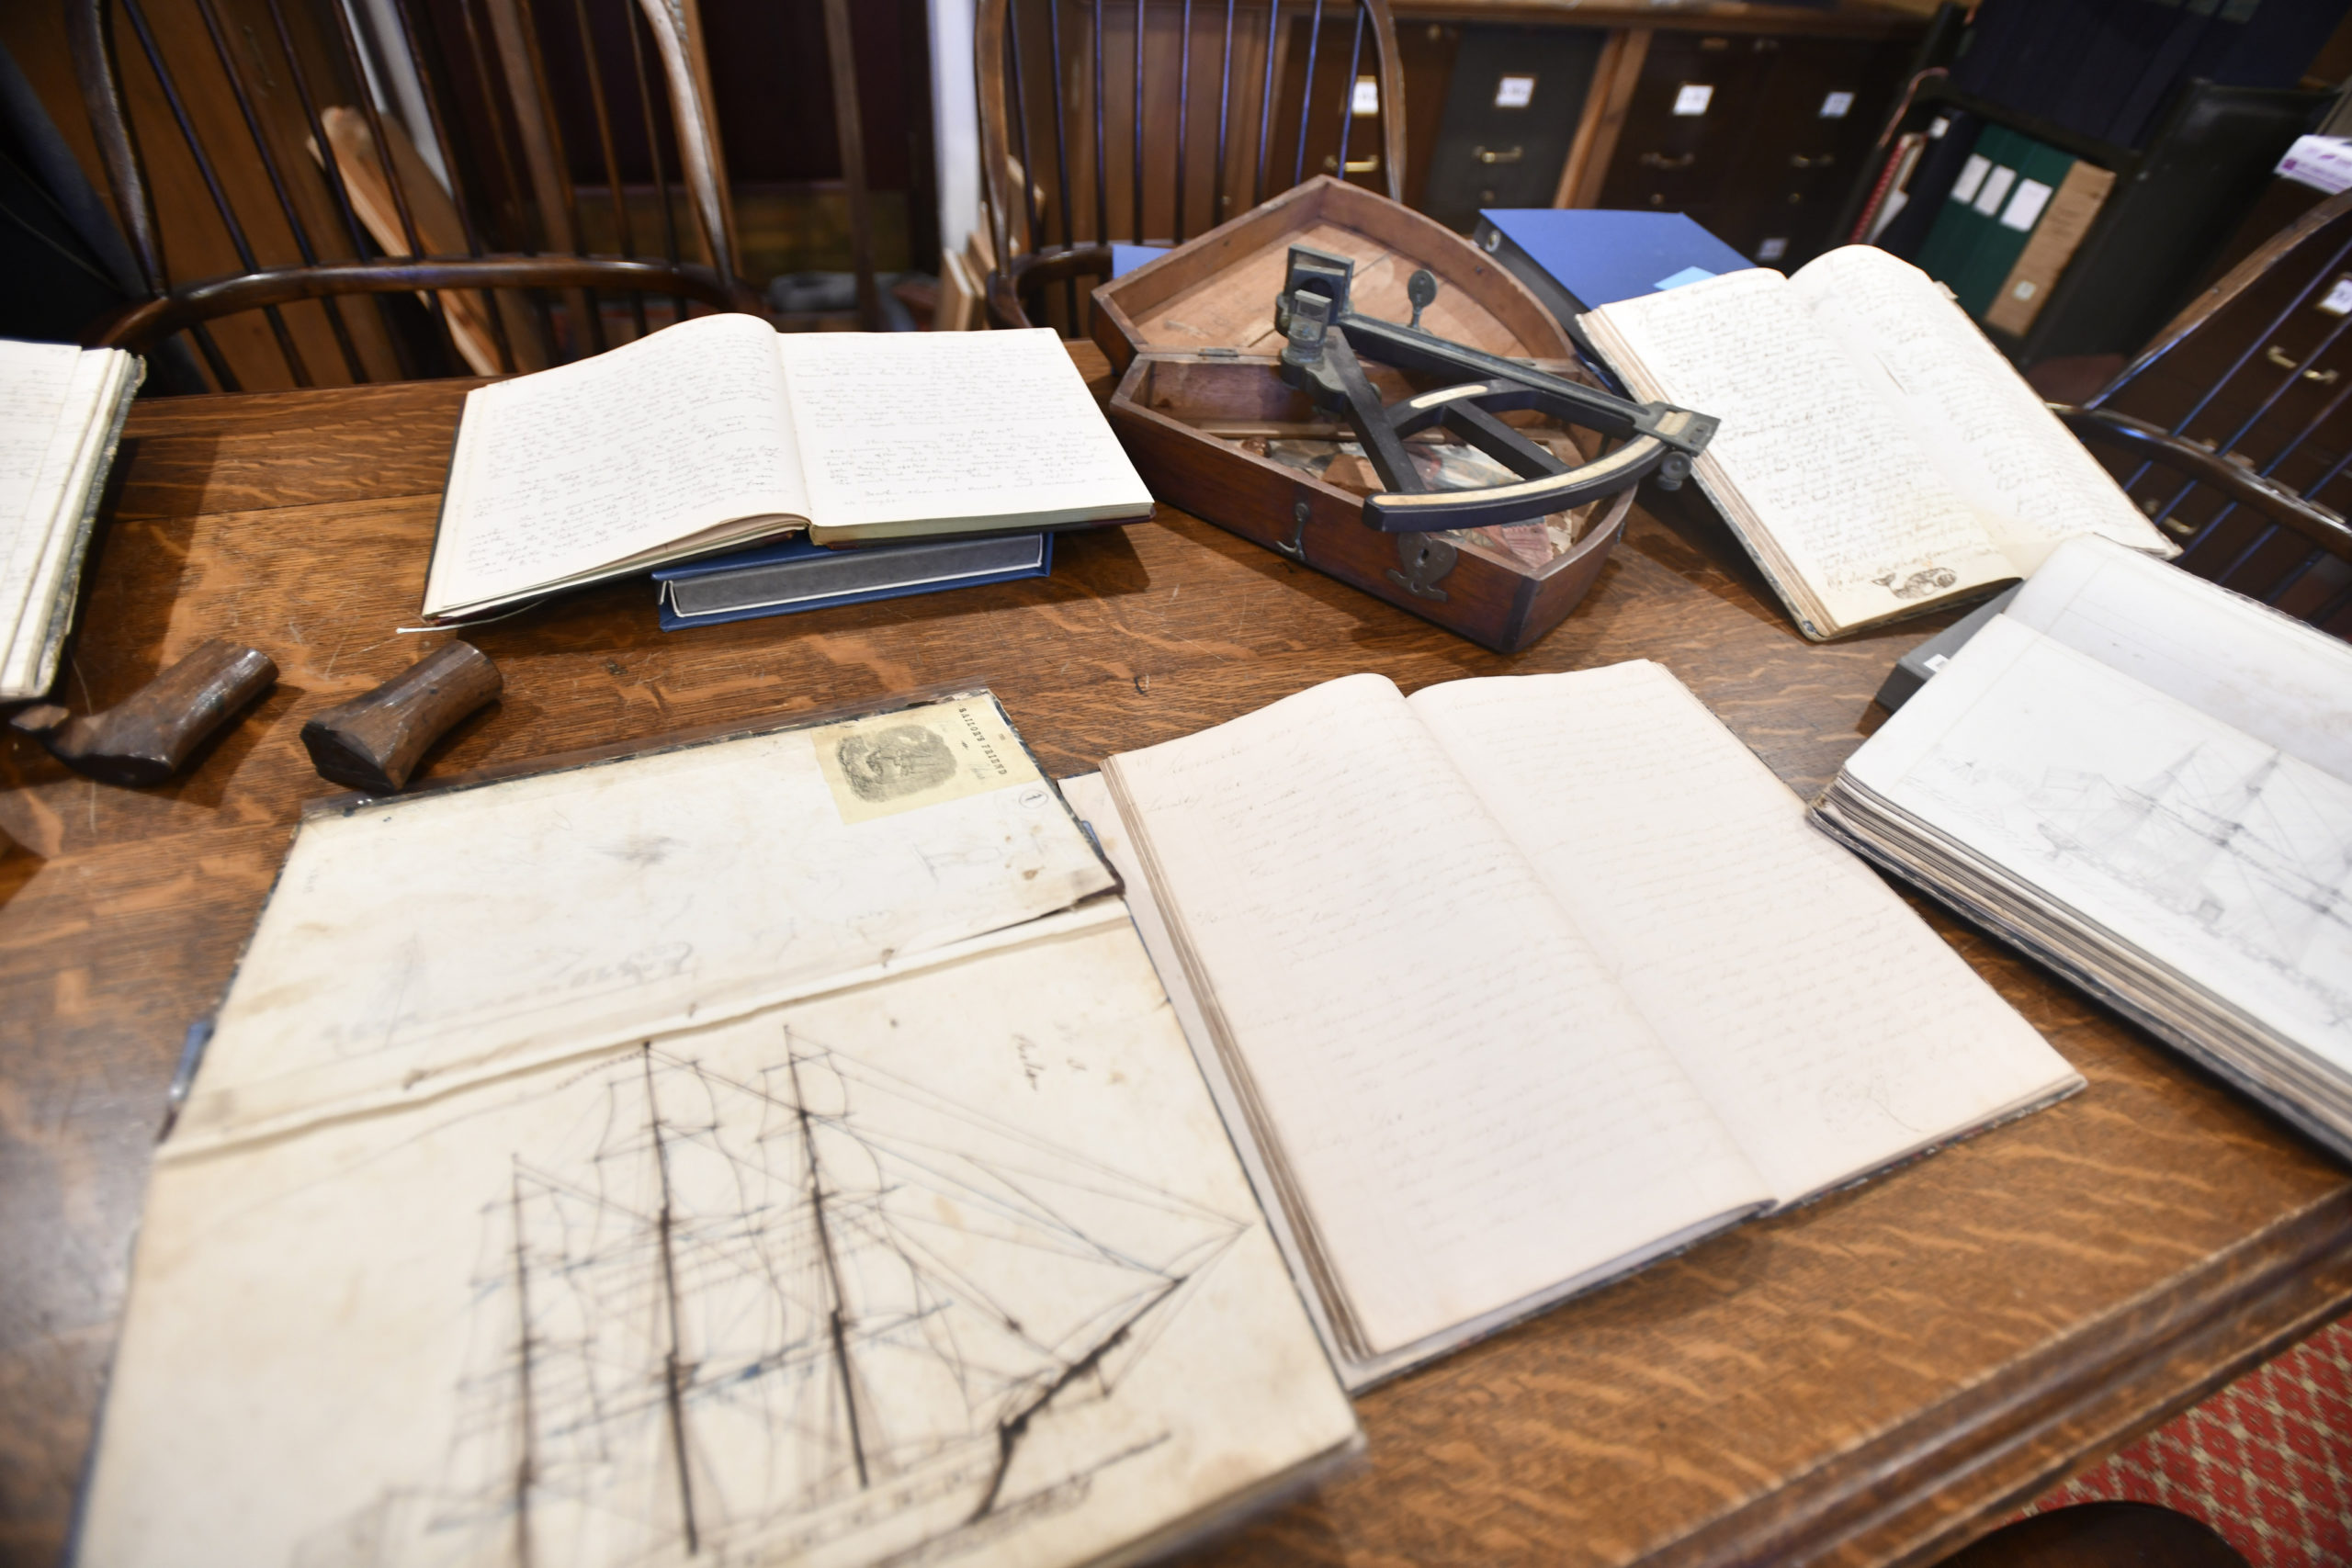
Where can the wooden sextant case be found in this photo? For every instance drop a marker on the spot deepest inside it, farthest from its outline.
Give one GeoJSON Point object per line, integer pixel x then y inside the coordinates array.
{"type": "Point", "coordinates": [1200, 400]}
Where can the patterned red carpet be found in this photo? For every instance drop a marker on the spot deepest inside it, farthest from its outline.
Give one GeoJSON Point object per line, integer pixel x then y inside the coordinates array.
{"type": "Point", "coordinates": [2266, 1462]}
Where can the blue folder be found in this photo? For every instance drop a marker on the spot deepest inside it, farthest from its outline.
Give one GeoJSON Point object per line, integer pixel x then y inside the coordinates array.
{"type": "Point", "coordinates": [1592, 256]}
{"type": "Point", "coordinates": [778, 579]}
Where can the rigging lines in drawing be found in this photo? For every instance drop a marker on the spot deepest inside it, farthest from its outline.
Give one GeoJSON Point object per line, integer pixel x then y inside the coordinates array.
{"type": "Point", "coordinates": [821, 1313]}
{"type": "Point", "coordinates": [2234, 847]}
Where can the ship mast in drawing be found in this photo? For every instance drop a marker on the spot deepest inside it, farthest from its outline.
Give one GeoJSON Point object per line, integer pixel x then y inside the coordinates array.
{"type": "Point", "coordinates": [2225, 846]}
{"type": "Point", "coordinates": [820, 1314]}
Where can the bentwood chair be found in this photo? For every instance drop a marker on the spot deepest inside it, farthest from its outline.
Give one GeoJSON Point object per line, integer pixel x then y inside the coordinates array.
{"type": "Point", "coordinates": [1151, 121]}
{"type": "Point", "coordinates": [268, 163]}
{"type": "Point", "coordinates": [2233, 429]}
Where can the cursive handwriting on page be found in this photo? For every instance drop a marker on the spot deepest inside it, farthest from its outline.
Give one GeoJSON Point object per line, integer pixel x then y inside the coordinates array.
{"type": "Point", "coordinates": [602, 460]}
{"type": "Point", "coordinates": [1996, 443]}
{"type": "Point", "coordinates": [913, 427]}
{"type": "Point", "coordinates": [49, 401]}
{"type": "Point", "coordinates": [1846, 491]}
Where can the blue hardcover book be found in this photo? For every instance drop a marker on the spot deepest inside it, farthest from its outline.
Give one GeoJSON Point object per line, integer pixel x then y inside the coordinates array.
{"type": "Point", "coordinates": [1579, 259]}
{"type": "Point", "coordinates": [778, 579]}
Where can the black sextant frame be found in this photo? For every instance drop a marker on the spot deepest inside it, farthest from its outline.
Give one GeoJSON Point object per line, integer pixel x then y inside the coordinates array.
{"type": "Point", "coordinates": [1327, 341]}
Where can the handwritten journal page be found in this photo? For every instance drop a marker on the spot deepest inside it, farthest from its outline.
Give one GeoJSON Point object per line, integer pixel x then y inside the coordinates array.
{"type": "Point", "coordinates": [46, 395]}
{"type": "Point", "coordinates": [1990, 436]}
{"type": "Point", "coordinates": [60, 411]}
{"type": "Point", "coordinates": [923, 432]}
{"type": "Point", "coordinates": [673, 445]}
{"type": "Point", "coordinates": [1836, 498]}
{"type": "Point", "coordinates": [1464, 1110]}
{"type": "Point", "coordinates": [1831, 1029]}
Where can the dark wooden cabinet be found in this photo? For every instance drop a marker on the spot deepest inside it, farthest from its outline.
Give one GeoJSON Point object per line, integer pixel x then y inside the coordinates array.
{"type": "Point", "coordinates": [1817, 115]}
{"type": "Point", "coordinates": [1686, 131]}
{"type": "Point", "coordinates": [1756, 119]}
{"type": "Point", "coordinates": [1513, 103]}
{"type": "Point", "coordinates": [1785, 128]}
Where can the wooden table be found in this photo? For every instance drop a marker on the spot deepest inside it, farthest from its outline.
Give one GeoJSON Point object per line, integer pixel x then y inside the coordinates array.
{"type": "Point", "coordinates": [1877, 1378]}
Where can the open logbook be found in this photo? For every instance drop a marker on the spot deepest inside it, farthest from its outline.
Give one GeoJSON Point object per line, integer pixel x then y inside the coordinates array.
{"type": "Point", "coordinates": [769, 1150]}
{"type": "Point", "coordinates": [721, 431]}
{"type": "Point", "coordinates": [1518, 983]}
{"type": "Point", "coordinates": [1877, 456]}
{"type": "Point", "coordinates": [2146, 782]}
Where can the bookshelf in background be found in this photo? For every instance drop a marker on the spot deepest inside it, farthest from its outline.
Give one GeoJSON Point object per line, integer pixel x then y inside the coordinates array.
{"type": "Point", "coordinates": [2061, 244]}
{"type": "Point", "coordinates": [2166, 118]}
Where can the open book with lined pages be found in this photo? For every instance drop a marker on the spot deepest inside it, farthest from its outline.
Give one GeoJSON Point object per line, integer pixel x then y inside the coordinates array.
{"type": "Point", "coordinates": [721, 431]}
{"type": "Point", "coordinates": [1516, 984]}
{"type": "Point", "coordinates": [1877, 456]}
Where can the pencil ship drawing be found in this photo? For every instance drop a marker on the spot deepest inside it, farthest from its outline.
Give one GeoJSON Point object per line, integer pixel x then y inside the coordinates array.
{"type": "Point", "coordinates": [2233, 848]}
{"type": "Point", "coordinates": [821, 1316]}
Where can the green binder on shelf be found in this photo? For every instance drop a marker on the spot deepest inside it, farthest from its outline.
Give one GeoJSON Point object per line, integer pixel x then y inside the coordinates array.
{"type": "Point", "coordinates": [1994, 207]}
{"type": "Point", "coordinates": [1944, 254]}
{"type": "Point", "coordinates": [2038, 171]}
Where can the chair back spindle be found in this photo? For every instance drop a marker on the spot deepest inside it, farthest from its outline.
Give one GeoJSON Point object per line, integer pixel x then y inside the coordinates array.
{"type": "Point", "coordinates": [472, 222]}
{"type": "Point", "coordinates": [1120, 94]}
{"type": "Point", "coordinates": [2231, 430]}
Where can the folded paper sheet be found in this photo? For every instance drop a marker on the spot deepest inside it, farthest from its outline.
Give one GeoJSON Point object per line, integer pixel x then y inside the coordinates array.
{"type": "Point", "coordinates": [895, 1226]}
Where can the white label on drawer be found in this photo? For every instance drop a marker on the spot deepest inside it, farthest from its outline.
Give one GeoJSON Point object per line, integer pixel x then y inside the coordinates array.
{"type": "Point", "coordinates": [1971, 175]}
{"type": "Point", "coordinates": [1772, 250]}
{"type": "Point", "coordinates": [2323, 163]}
{"type": "Point", "coordinates": [1514, 91]}
{"type": "Point", "coordinates": [2339, 299]}
{"type": "Point", "coordinates": [1693, 98]}
{"type": "Point", "coordinates": [2025, 208]}
{"type": "Point", "coordinates": [1367, 98]}
{"type": "Point", "coordinates": [1836, 105]}
{"type": "Point", "coordinates": [1997, 188]}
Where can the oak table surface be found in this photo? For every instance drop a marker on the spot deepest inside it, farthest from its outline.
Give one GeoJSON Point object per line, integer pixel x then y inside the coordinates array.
{"type": "Point", "coordinates": [1877, 1378]}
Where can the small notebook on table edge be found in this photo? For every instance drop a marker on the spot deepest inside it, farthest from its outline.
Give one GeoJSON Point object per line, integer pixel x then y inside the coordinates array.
{"type": "Point", "coordinates": [66, 409]}
{"type": "Point", "coordinates": [1510, 987]}
{"type": "Point", "coordinates": [773, 1146]}
{"type": "Point", "coordinates": [1877, 456]}
{"type": "Point", "coordinates": [719, 432]}
{"type": "Point", "coordinates": [2145, 781]}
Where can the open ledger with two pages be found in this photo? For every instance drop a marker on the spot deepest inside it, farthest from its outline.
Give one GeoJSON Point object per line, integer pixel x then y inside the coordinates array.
{"type": "Point", "coordinates": [1515, 984]}
{"type": "Point", "coordinates": [721, 431]}
{"type": "Point", "coordinates": [1877, 456]}
{"type": "Point", "coordinates": [2145, 781]}
{"type": "Point", "coordinates": [784, 1147]}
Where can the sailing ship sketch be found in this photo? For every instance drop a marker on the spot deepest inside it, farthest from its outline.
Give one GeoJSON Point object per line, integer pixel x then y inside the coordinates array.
{"type": "Point", "coordinates": [2238, 849]}
{"type": "Point", "coordinates": [818, 1315]}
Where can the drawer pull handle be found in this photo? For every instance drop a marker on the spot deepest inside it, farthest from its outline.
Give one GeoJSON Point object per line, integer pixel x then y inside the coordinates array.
{"type": "Point", "coordinates": [1662, 160]}
{"type": "Point", "coordinates": [2279, 356]}
{"type": "Point", "coordinates": [1355, 166]}
{"type": "Point", "coordinates": [1822, 162]}
{"type": "Point", "coordinates": [1488, 155]}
